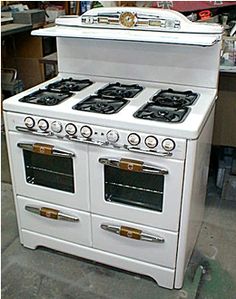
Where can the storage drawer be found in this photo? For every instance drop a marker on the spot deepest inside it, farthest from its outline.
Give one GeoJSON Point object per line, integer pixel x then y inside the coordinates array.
{"type": "Point", "coordinates": [135, 241]}
{"type": "Point", "coordinates": [72, 225]}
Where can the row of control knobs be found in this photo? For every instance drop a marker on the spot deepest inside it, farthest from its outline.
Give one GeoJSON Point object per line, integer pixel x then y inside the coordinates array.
{"type": "Point", "coordinates": [112, 135]}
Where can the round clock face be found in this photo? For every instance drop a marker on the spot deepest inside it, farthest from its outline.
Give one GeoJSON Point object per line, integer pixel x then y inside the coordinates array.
{"type": "Point", "coordinates": [128, 19]}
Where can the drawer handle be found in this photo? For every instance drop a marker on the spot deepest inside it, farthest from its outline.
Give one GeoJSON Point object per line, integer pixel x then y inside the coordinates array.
{"type": "Point", "coordinates": [51, 213]}
{"type": "Point", "coordinates": [133, 233]}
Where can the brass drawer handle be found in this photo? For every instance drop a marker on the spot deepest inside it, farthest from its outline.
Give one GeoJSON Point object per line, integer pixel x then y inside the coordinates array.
{"type": "Point", "coordinates": [132, 233]}
{"type": "Point", "coordinates": [51, 213]}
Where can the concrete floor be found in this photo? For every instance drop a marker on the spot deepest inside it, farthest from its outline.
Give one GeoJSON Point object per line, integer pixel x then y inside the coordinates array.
{"type": "Point", "coordinates": [44, 273]}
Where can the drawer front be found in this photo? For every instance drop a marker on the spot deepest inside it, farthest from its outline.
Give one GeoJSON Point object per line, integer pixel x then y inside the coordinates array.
{"type": "Point", "coordinates": [134, 241]}
{"type": "Point", "coordinates": [44, 218]}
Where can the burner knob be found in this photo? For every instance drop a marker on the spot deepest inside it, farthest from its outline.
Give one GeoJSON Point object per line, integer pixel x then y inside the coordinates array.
{"type": "Point", "coordinates": [112, 136]}
{"type": "Point", "coordinates": [86, 131]}
{"type": "Point", "coordinates": [168, 144]}
{"type": "Point", "coordinates": [151, 141]}
{"type": "Point", "coordinates": [70, 129]}
{"type": "Point", "coordinates": [56, 126]}
{"type": "Point", "coordinates": [133, 139]}
{"type": "Point", "coordinates": [43, 124]}
{"type": "Point", "coordinates": [29, 122]}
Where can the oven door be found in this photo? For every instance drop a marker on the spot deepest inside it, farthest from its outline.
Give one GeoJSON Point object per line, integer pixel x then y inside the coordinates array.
{"type": "Point", "coordinates": [50, 170]}
{"type": "Point", "coordinates": [136, 187]}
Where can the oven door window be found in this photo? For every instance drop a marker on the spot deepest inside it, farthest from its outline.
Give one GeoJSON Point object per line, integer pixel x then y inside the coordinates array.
{"type": "Point", "coordinates": [137, 189]}
{"type": "Point", "coordinates": [49, 171]}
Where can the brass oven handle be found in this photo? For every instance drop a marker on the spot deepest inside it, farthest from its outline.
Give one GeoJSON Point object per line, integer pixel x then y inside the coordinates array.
{"type": "Point", "coordinates": [51, 213]}
{"type": "Point", "coordinates": [34, 132]}
{"type": "Point", "coordinates": [133, 165]}
{"type": "Point", "coordinates": [132, 233]}
{"type": "Point", "coordinates": [45, 149]}
{"type": "Point", "coordinates": [150, 152]}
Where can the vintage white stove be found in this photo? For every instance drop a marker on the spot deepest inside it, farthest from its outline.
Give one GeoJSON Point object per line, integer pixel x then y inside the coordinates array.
{"type": "Point", "coordinates": [109, 160]}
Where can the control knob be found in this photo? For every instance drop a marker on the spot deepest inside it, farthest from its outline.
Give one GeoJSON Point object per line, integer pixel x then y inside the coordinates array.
{"type": "Point", "coordinates": [151, 141]}
{"type": "Point", "coordinates": [29, 122]}
{"type": "Point", "coordinates": [86, 131]}
{"type": "Point", "coordinates": [56, 126]}
{"type": "Point", "coordinates": [168, 144]}
{"type": "Point", "coordinates": [70, 129]}
{"type": "Point", "coordinates": [133, 139]}
{"type": "Point", "coordinates": [112, 136]}
{"type": "Point", "coordinates": [43, 124]}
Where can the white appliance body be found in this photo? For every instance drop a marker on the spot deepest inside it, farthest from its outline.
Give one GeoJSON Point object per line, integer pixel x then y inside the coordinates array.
{"type": "Point", "coordinates": [155, 240]}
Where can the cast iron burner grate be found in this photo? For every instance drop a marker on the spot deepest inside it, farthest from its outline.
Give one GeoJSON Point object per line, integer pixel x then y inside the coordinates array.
{"type": "Point", "coordinates": [167, 114]}
{"type": "Point", "coordinates": [101, 104]}
{"type": "Point", "coordinates": [46, 97]}
{"type": "Point", "coordinates": [120, 90]}
{"type": "Point", "coordinates": [172, 98]}
{"type": "Point", "coordinates": [70, 84]}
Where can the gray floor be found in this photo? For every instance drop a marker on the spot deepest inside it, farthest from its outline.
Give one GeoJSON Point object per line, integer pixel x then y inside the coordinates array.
{"type": "Point", "coordinates": [44, 273]}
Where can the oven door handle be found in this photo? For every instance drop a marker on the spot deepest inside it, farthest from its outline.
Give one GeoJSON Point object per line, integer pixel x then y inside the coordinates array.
{"type": "Point", "coordinates": [150, 152]}
{"type": "Point", "coordinates": [45, 149]}
{"type": "Point", "coordinates": [132, 233]}
{"type": "Point", "coordinates": [133, 165]}
{"type": "Point", "coordinates": [51, 213]}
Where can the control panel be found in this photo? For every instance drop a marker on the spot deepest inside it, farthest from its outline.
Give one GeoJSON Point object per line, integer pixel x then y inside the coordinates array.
{"type": "Point", "coordinates": [138, 142]}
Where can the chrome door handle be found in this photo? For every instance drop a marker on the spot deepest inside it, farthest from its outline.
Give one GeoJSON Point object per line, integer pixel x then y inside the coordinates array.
{"type": "Point", "coordinates": [51, 213]}
{"type": "Point", "coordinates": [150, 152]}
{"type": "Point", "coordinates": [133, 165]}
{"type": "Point", "coordinates": [83, 140]}
{"type": "Point", "coordinates": [132, 233]}
{"type": "Point", "coordinates": [45, 149]}
{"type": "Point", "coordinates": [34, 132]}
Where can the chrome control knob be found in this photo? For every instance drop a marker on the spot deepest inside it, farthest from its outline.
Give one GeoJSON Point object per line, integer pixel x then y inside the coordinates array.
{"type": "Point", "coordinates": [56, 126]}
{"type": "Point", "coordinates": [43, 124]}
{"type": "Point", "coordinates": [168, 144]}
{"type": "Point", "coordinates": [134, 139]}
{"type": "Point", "coordinates": [112, 136]}
{"type": "Point", "coordinates": [70, 129]}
{"type": "Point", "coordinates": [151, 141]}
{"type": "Point", "coordinates": [29, 122]}
{"type": "Point", "coordinates": [86, 131]}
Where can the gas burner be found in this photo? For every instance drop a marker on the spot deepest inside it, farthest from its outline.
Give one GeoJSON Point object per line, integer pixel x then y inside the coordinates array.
{"type": "Point", "coordinates": [151, 111]}
{"type": "Point", "coordinates": [120, 90]}
{"type": "Point", "coordinates": [101, 104]}
{"type": "Point", "coordinates": [46, 97]}
{"type": "Point", "coordinates": [175, 99]}
{"type": "Point", "coordinates": [70, 84]}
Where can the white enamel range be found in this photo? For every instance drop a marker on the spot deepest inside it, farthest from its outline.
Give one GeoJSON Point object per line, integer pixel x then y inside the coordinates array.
{"type": "Point", "coordinates": [110, 163]}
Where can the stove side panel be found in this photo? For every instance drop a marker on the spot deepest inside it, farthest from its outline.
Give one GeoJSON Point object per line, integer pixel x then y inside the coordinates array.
{"type": "Point", "coordinates": [194, 193]}
{"type": "Point", "coordinates": [172, 64]}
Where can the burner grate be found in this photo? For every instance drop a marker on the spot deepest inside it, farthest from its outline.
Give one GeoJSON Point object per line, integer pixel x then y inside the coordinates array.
{"type": "Point", "coordinates": [46, 97]}
{"type": "Point", "coordinates": [101, 104]}
{"type": "Point", "coordinates": [69, 84]}
{"type": "Point", "coordinates": [120, 90]}
{"type": "Point", "coordinates": [167, 114]}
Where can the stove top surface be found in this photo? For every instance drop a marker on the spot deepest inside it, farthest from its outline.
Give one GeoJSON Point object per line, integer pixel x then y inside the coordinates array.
{"type": "Point", "coordinates": [101, 104]}
{"type": "Point", "coordinates": [120, 90]}
{"type": "Point", "coordinates": [46, 97]}
{"type": "Point", "coordinates": [69, 84]}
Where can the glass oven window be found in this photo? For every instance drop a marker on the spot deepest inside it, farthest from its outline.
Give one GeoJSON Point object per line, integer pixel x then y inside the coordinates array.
{"type": "Point", "coordinates": [137, 189]}
{"type": "Point", "coordinates": [49, 171]}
